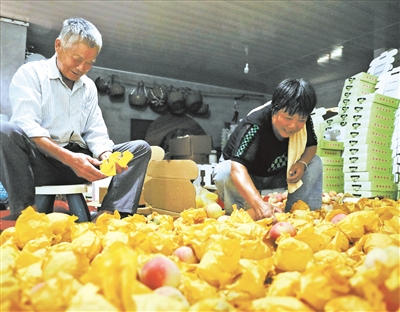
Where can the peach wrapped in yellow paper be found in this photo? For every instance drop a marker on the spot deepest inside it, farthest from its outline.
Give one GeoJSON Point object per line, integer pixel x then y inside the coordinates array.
{"type": "Point", "coordinates": [108, 166]}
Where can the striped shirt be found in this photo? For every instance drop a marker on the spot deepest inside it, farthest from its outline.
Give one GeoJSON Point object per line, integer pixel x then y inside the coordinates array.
{"type": "Point", "coordinates": [43, 106]}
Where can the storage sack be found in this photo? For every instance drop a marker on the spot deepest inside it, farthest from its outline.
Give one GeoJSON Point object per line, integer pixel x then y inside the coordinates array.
{"type": "Point", "coordinates": [138, 96]}
{"type": "Point", "coordinates": [194, 100]}
{"type": "Point", "coordinates": [101, 84]}
{"type": "Point", "coordinates": [176, 100]}
{"type": "Point", "coordinates": [158, 98]}
{"type": "Point", "coordinates": [116, 88]}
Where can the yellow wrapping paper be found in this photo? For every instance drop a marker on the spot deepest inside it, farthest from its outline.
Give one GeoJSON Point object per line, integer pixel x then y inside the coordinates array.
{"type": "Point", "coordinates": [63, 257]}
{"type": "Point", "coordinates": [212, 304]}
{"type": "Point", "coordinates": [316, 241]}
{"type": "Point", "coordinates": [115, 272]}
{"type": "Point", "coordinates": [284, 284]}
{"type": "Point", "coordinates": [49, 262]}
{"type": "Point", "coordinates": [319, 284]}
{"type": "Point", "coordinates": [347, 303]}
{"type": "Point", "coordinates": [279, 304]}
{"type": "Point", "coordinates": [250, 284]}
{"type": "Point", "coordinates": [55, 293]}
{"type": "Point", "coordinates": [88, 298]}
{"type": "Point", "coordinates": [158, 303]}
{"type": "Point", "coordinates": [292, 255]}
{"type": "Point", "coordinates": [89, 243]}
{"type": "Point", "coordinates": [195, 289]}
{"type": "Point", "coordinates": [358, 223]}
{"type": "Point", "coordinates": [220, 264]}
{"type": "Point", "coordinates": [108, 166]}
{"type": "Point", "coordinates": [30, 225]}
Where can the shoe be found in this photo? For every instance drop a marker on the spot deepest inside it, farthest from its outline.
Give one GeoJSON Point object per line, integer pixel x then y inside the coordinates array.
{"type": "Point", "coordinates": [10, 217]}
{"type": "Point", "coordinates": [96, 214]}
{"type": "Point", "coordinates": [125, 214]}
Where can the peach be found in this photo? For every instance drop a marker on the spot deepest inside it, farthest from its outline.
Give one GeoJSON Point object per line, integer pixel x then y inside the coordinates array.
{"type": "Point", "coordinates": [214, 210]}
{"type": "Point", "coordinates": [223, 218]}
{"type": "Point", "coordinates": [281, 227]}
{"type": "Point", "coordinates": [171, 292]}
{"type": "Point", "coordinates": [326, 199]}
{"type": "Point", "coordinates": [338, 217]}
{"type": "Point", "coordinates": [332, 193]}
{"type": "Point", "coordinates": [160, 271]}
{"type": "Point", "coordinates": [186, 254]}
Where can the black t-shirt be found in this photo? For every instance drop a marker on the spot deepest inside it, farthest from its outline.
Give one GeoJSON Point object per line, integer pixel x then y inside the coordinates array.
{"type": "Point", "coordinates": [254, 144]}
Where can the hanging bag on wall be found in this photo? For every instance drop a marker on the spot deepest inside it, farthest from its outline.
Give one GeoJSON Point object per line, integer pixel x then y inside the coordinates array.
{"type": "Point", "coordinates": [116, 88]}
{"type": "Point", "coordinates": [158, 98]}
{"type": "Point", "coordinates": [194, 100]}
{"type": "Point", "coordinates": [138, 96]}
{"type": "Point", "coordinates": [176, 101]}
{"type": "Point", "coordinates": [203, 109]}
{"type": "Point", "coordinates": [101, 84]}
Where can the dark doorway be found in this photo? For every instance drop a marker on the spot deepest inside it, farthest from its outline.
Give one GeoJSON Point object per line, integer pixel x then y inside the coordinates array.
{"type": "Point", "coordinates": [139, 128]}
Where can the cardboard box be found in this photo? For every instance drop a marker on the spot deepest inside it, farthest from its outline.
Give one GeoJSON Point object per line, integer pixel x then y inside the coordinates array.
{"type": "Point", "coordinates": [333, 145]}
{"type": "Point", "coordinates": [363, 140]}
{"type": "Point", "coordinates": [377, 122]}
{"type": "Point", "coordinates": [380, 99]}
{"type": "Point", "coordinates": [170, 187]}
{"type": "Point", "coordinates": [357, 88]}
{"type": "Point", "coordinates": [333, 182]}
{"type": "Point", "coordinates": [368, 159]}
{"type": "Point", "coordinates": [333, 186]}
{"type": "Point", "coordinates": [364, 166]}
{"type": "Point", "coordinates": [332, 170]}
{"type": "Point", "coordinates": [389, 83]}
{"type": "Point", "coordinates": [371, 194]}
{"type": "Point", "coordinates": [384, 62]}
{"type": "Point", "coordinates": [362, 76]}
{"type": "Point", "coordinates": [368, 176]}
{"type": "Point", "coordinates": [383, 186]}
{"type": "Point", "coordinates": [370, 111]}
{"type": "Point", "coordinates": [369, 149]}
{"type": "Point", "coordinates": [332, 161]}
{"type": "Point", "coordinates": [368, 136]}
{"type": "Point", "coordinates": [355, 92]}
{"type": "Point", "coordinates": [329, 153]}
{"type": "Point", "coordinates": [194, 147]}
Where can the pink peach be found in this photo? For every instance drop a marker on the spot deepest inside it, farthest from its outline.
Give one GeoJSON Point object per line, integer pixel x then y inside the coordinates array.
{"type": "Point", "coordinates": [186, 254]}
{"type": "Point", "coordinates": [160, 271]}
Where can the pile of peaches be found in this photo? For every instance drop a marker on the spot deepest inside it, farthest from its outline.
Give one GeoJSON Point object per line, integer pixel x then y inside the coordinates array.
{"type": "Point", "coordinates": [342, 259]}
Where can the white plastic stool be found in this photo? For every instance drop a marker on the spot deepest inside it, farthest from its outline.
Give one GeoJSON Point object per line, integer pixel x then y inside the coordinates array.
{"type": "Point", "coordinates": [45, 196]}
